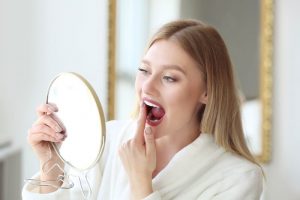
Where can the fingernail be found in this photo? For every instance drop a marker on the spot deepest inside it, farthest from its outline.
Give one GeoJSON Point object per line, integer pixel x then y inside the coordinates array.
{"type": "Point", "coordinates": [148, 130]}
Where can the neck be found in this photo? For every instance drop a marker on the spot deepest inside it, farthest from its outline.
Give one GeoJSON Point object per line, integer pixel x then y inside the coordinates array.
{"type": "Point", "coordinates": [167, 146]}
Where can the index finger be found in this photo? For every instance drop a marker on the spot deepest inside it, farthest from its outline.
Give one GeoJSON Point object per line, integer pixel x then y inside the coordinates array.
{"type": "Point", "coordinates": [46, 109]}
{"type": "Point", "coordinates": [139, 135]}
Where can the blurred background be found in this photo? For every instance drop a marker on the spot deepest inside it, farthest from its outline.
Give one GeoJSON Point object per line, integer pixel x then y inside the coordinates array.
{"type": "Point", "coordinates": [39, 39]}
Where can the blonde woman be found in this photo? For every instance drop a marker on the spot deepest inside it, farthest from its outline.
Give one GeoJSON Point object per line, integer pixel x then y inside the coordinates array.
{"type": "Point", "coordinates": [187, 141]}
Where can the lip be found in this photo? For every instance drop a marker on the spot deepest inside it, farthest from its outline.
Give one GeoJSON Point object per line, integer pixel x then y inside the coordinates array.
{"type": "Point", "coordinates": [153, 102]}
{"type": "Point", "coordinates": [152, 123]}
{"type": "Point", "coordinates": [149, 122]}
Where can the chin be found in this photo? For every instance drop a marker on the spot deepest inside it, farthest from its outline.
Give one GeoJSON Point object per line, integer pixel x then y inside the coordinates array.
{"type": "Point", "coordinates": [159, 132]}
{"type": "Point", "coordinates": [157, 136]}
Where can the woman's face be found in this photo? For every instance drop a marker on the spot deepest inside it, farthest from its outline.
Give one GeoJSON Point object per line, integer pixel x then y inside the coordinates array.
{"type": "Point", "coordinates": [172, 87]}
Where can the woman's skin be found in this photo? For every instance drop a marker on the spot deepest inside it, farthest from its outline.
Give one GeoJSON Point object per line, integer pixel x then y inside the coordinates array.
{"type": "Point", "coordinates": [170, 78]}
{"type": "Point", "coordinates": [47, 128]}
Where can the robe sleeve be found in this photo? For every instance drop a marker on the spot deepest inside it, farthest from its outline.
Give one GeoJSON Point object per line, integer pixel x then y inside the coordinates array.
{"type": "Point", "coordinates": [153, 196]}
{"type": "Point", "coordinates": [31, 192]}
{"type": "Point", "coordinates": [246, 186]}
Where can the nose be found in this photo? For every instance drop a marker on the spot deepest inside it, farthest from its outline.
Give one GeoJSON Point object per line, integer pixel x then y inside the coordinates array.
{"type": "Point", "coordinates": [151, 86]}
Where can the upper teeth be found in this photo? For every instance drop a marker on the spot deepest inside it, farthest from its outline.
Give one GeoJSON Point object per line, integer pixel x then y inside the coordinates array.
{"type": "Point", "coordinates": [150, 104]}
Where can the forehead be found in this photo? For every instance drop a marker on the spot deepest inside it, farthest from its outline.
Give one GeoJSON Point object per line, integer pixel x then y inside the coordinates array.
{"type": "Point", "coordinates": [167, 52]}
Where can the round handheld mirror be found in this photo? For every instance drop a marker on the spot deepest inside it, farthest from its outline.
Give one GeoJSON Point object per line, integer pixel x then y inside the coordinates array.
{"type": "Point", "coordinates": [81, 113]}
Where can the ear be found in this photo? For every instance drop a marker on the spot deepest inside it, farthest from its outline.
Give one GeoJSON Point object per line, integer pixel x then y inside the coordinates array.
{"type": "Point", "coordinates": [203, 98]}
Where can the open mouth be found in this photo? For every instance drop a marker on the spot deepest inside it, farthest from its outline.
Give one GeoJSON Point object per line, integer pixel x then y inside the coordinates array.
{"type": "Point", "coordinates": [155, 113]}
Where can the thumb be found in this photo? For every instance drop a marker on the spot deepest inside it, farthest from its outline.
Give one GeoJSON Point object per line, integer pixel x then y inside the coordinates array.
{"type": "Point", "coordinates": [150, 142]}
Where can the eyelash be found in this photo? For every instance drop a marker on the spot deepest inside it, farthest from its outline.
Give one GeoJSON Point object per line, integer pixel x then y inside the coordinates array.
{"type": "Point", "coordinates": [142, 70]}
{"type": "Point", "coordinates": [167, 78]}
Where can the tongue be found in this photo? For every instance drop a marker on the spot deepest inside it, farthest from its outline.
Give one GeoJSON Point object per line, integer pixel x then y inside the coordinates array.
{"type": "Point", "coordinates": [157, 112]}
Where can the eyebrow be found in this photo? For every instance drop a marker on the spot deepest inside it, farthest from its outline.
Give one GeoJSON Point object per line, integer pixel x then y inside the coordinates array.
{"type": "Point", "coordinates": [176, 67]}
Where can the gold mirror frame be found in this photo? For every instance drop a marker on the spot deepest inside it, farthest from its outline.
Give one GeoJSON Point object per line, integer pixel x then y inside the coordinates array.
{"type": "Point", "coordinates": [266, 71]}
{"type": "Point", "coordinates": [112, 23]}
{"type": "Point", "coordinates": [266, 63]}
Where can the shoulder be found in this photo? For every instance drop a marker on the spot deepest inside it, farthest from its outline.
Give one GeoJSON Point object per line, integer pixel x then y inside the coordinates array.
{"type": "Point", "coordinates": [221, 158]}
{"type": "Point", "coordinates": [233, 163]}
{"type": "Point", "coordinates": [231, 166]}
{"type": "Point", "coordinates": [232, 172]}
{"type": "Point", "coordinates": [224, 161]}
{"type": "Point", "coordinates": [239, 177]}
{"type": "Point", "coordinates": [115, 131]}
{"type": "Point", "coordinates": [115, 127]}
{"type": "Point", "coordinates": [243, 181]}
{"type": "Point", "coordinates": [236, 167]}
{"type": "Point", "coordinates": [117, 124]}
{"type": "Point", "coordinates": [119, 130]}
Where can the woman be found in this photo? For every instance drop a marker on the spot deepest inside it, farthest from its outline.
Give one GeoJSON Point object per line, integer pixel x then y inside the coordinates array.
{"type": "Point", "coordinates": [187, 141]}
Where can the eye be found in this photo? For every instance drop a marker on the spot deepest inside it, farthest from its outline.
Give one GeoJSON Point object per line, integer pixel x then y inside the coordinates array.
{"type": "Point", "coordinates": [142, 70]}
{"type": "Point", "coordinates": [169, 79]}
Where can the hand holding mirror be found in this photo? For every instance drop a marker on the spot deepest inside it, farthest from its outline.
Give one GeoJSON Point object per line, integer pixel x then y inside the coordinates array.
{"type": "Point", "coordinates": [80, 111]}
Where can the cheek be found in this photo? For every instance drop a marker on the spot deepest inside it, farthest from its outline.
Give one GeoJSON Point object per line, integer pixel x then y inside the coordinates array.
{"type": "Point", "coordinates": [179, 98]}
{"type": "Point", "coordinates": [185, 99]}
{"type": "Point", "coordinates": [138, 84]}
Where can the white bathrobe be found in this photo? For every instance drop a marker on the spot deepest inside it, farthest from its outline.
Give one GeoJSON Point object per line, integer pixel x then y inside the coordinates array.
{"type": "Point", "coordinates": [202, 170]}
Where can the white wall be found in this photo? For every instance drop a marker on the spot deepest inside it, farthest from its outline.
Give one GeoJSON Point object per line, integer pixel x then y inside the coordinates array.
{"type": "Point", "coordinates": [40, 39]}
{"type": "Point", "coordinates": [283, 172]}
{"type": "Point", "coordinates": [162, 12]}
{"type": "Point", "coordinates": [15, 38]}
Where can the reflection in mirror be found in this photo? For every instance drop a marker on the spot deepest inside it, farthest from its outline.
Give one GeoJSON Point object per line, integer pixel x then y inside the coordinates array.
{"type": "Point", "coordinates": [246, 27]}
{"type": "Point", "coordinates": [81, 113]}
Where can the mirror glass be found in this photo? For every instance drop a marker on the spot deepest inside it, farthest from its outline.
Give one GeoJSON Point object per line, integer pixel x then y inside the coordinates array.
{"type": "Point", "coordinates": [81, 113]}
{"type": "Point", "coordinates": [246, 27]}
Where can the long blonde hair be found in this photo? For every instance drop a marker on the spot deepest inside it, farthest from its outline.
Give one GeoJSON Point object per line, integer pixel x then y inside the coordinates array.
{"type": "Point", "coordinates": [221, 115]}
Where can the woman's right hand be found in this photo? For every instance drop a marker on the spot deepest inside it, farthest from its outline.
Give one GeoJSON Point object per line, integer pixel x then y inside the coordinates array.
{"type": "Point", "coordinates": [47, 128]}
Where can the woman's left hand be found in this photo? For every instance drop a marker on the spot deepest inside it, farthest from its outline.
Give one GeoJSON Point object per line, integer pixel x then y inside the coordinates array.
{"type": "Point", "coordinates": [138, 156]}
